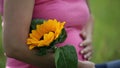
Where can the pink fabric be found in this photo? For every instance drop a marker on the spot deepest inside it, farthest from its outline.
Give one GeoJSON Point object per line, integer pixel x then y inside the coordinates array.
{"type": "Point", "coordinates": [73, 38]}
{"type": "Point", "coordinates": [13, 63]}
{"type": "Point", "coordinates": [74, 12]}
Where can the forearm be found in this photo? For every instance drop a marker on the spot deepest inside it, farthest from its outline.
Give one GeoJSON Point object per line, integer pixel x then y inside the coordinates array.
{"type": "Point", "coordinates": [17, 20]}
{"type": "Point", "coordinates": [16, 48]}
{"type": "Point", "coordinates": [90, 24]}
{"type": "Point", "coordinates": [46, 61]}
{"type": "Point", "coordinates": [89, 27]}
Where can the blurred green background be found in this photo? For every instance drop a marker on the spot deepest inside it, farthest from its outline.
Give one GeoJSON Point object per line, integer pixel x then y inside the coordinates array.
{"type": "Point", "coordinates": [106, 31]}
{"type": "Point", "coordinates": [106, 39]}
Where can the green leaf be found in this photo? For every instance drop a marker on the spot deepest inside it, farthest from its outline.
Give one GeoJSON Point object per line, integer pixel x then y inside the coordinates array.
{"type": "Point", "coordinates": [62, 36]}
{"type": "Point", "coordinates": [66, 57]}
{"type": "Point", "coordinates": [57, 53]}
{"type": "Point", "coordinates": [35, 22]}
{"type": "Point", "coordinates": [42, 51]}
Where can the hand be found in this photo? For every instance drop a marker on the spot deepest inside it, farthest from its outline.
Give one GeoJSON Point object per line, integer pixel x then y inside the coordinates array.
{"type": "Point", "coordinates": [86, 64]}
{"type": "Point", "coordinates": [87, 44]}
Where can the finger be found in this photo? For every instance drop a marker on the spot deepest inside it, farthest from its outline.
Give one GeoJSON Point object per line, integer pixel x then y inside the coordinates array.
{"type": "Point", "coordinates": [87, 64]}
{"type": "Point", "coordinates": [89, 58]}
{"type": "Point", "coordinates": [87, 49]}
{"type": "Point", "coordinates": [86, 43]}
{"type": "Point", "coordinates": [88, 55]}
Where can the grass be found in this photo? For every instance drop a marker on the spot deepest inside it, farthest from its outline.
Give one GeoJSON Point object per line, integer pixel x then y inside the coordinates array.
{"type": "Point", "coordinates": [2, 57]}
{"type": "Point", "coordinates": [106, 31]}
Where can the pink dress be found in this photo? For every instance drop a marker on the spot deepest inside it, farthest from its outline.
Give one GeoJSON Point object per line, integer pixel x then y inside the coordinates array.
{"type": "Point", "coordinates": [74, 12]}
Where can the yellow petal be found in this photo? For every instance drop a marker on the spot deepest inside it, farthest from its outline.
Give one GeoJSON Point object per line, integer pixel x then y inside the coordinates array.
{"type": "Point", "coordinates": [48, 38]}
{"type": "Point", "coordinates": [49, 30]}
{"type": "Point", "coordinates": [31, 47]}
{"type": "Point", "coordinates": [35, 34]}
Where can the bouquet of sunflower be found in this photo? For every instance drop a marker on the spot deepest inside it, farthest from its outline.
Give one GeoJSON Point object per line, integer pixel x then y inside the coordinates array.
{"type": "Point", "coordinates": [44, 35]}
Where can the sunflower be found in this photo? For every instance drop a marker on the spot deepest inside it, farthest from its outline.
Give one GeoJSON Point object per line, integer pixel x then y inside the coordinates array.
{"type": "Point", "coordinates": [45, 33]}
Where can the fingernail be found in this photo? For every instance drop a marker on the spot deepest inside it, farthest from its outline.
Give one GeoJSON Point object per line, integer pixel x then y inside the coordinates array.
{"type": "Point", "coordinates": [82, 52]}
{"type": "Point", "coordinates": [85, 56]}
{"type": "Point", "coordinates": [81, 44]}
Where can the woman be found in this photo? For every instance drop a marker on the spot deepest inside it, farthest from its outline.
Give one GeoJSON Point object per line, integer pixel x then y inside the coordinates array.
{"type": "Point", "coordinates": [17, 16]}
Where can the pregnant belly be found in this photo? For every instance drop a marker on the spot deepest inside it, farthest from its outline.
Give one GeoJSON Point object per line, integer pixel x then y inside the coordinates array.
{"type": "Point", "coordinates": [74, 14]}
{"type": "Point", "coordinates": [73, 38]}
